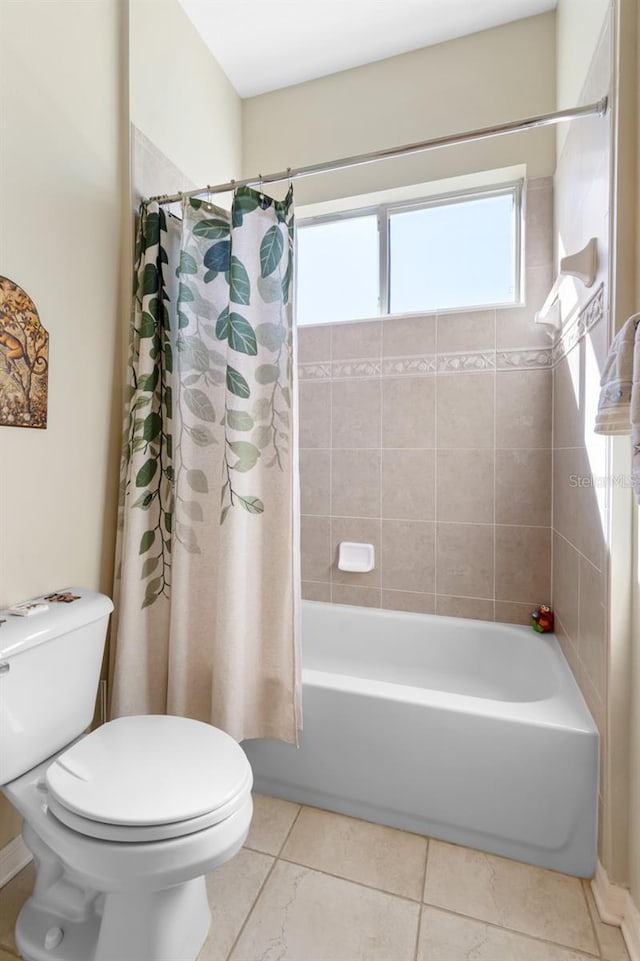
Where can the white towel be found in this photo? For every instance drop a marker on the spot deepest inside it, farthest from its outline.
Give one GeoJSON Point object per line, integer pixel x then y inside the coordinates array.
{"type": "Point", "coordinates": [619, 403]}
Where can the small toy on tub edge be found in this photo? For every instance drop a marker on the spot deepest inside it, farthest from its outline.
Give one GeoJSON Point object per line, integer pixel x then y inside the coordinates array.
{"type": "Point", "coordinates": [542, 619]}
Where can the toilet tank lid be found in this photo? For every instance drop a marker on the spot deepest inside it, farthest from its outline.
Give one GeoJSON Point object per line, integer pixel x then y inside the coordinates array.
{"type": "Point", "coordinates": [18, 634]}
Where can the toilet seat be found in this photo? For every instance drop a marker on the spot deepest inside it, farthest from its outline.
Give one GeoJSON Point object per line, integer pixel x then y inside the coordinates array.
{"type": "Point", "coordinates": [148, 778]}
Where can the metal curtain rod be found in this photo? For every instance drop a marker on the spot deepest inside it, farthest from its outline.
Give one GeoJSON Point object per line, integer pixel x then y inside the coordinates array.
{"type": "Point", "coordinates": [559, 116]}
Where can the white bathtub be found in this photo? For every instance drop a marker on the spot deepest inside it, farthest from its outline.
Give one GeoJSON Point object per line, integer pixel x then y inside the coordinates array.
{"type": "Point", "coordinates": [467, 731]}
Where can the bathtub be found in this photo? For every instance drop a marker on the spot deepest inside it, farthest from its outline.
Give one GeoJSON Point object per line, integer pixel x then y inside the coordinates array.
{"type": "Point", "coordinates": [467, 731]}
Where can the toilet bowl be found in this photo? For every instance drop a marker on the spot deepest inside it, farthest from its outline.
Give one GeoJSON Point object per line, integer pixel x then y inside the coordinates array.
{"type": "Point", "coordinates": [123, 823]}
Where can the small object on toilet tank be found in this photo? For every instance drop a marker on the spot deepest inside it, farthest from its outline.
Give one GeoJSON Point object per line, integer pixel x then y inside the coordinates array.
{"type": "Point", "coordinates": [542, 619]}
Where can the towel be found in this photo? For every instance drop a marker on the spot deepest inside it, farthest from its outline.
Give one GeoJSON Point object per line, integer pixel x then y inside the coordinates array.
{"type": "Point", "coordinates": [619, 403]}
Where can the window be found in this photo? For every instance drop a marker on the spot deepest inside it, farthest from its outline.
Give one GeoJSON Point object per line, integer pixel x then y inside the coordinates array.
{"type": "Point", "coordinates": [447, 253]}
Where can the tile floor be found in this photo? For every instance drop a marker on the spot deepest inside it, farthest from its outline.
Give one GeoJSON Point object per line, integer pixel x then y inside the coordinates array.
{"type": "Point", "coordinates": [310, 885]}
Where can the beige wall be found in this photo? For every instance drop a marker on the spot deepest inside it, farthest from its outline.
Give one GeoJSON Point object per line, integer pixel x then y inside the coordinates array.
{"type": "Point", "coordinates": [180, 98]}
{"type": "Point", "coordinates": [430, 438]}
{"type": "Point", "coordinates": [579, 24]}
{"type": "Point", "coordinates": [459, 85]}
{"type": "Point", "coordinates": [61, 183]}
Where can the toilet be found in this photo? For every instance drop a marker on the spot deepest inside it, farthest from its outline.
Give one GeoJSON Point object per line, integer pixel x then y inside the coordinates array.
{"type": "Point", "coordinates": [124, 822]}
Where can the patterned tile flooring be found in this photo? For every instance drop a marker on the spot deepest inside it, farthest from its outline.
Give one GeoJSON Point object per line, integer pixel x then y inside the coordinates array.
{"type": "Point", "coordinates": [310, 885]}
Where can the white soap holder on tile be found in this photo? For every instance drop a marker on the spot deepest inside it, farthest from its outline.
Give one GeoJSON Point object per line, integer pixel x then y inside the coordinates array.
{"type": "Point", "coordinates": [356, 557]}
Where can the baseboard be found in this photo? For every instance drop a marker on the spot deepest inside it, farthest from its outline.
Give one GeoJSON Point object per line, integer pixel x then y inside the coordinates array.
{"type": "Point", "coordinates": [616, 907]}
{"type": "Point", "coordinates": [13, 857]}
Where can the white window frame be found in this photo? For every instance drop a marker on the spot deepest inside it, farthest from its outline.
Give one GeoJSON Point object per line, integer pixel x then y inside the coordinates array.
{"type": "Point", "coordinates": [384, 213]}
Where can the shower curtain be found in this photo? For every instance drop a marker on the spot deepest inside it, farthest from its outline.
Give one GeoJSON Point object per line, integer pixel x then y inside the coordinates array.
{"type": "Point", "coordinates": [206, 622]}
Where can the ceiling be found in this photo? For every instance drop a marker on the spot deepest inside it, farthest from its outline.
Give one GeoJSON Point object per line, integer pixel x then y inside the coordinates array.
{"type": "Point", "coordinates": [263, 45]}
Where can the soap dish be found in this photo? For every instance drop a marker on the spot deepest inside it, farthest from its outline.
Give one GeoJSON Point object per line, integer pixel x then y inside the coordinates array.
{"type": "Point", "coordinates": [357, 558]}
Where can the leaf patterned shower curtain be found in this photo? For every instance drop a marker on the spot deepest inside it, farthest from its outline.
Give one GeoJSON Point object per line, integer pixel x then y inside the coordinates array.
{"type": "Point", "coordinates": [207, 584]}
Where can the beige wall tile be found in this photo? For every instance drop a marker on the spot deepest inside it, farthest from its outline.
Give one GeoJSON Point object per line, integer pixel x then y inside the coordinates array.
{"type": "Point", "coordinates": [272, 820]}
{"type": "Point", "coordinates": [520, 897]}
{"type": "Point", "coordinates": [408, 484]}
{"type": "Point", "coordinates": [314, 344]}
{"type": "Point", "coordinates": [409, 336]}
{"type": "Point", "coordinates": [356, 341]}
{"type": "Point", "coordinates": [409, 601]}
{"type": "Point", "coordinates": [464, 560]}
{"type": "Point", "coordinates": [468, 330]}
{"type": "Point", "coordinates": [506, 612]}
{"type": "Point", "coordinates": [515, 326]}
{"type": "Point", "coordinates": [356, 411]}
{"type": "Point", "coordinates": [304, 914]}
{"type": "Point", "coordinates": [451, 937]}
{"type": "Point", "coordinates": [407, 556]}
{"type": "Point", "coordinates": [315, 414]}
{"type": "Point", "coordinates": [316, 591]}
{"type": "Point", "coordinates": [567, 465]}
{"type": "Point", "coordinates": [523, 563]}
{"type": "Point", "coordinates": [465, 490]}
{"type": "Point", "coordinates": [315, 481]}
{"type": "Point", "coordinates": [315, 548]}
{"type": "Point", "coordinates": [355, 483]}
{"type": "Point", "coordinates": [232, 888]}
{"type": "Point", "coordinates": [408, 411]}
{"type": "Point", "coordinates": [590, 501]}
{"type": "Point", "coordinates": [356, 595]}
{"type": "Point", "coordinates": [378, 856]}
{"type": "Point", "coordinates": [568, 394]}
{"type": "Point", "coordinates": [523, 486]}
{"type": "Point", "coordinates": [477, 608]}
{"type": "Point", "coordinates": [566, 563]}
{"type": "Point", "coordinates": [362, 530]}
{"type": "Point", "coordinates": [592, 637]}
{"type": "Point", "coordinates": [523, 408]}
{"type": "Point", "coordinates": [465, 409]}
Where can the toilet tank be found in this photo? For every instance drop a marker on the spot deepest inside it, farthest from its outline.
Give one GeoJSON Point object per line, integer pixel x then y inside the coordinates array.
{"type": "Point", "coordinates": [49, 672]}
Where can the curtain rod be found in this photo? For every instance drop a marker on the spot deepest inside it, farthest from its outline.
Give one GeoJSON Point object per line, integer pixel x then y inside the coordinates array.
{"type": "Point", "coordinates": [559, 116]}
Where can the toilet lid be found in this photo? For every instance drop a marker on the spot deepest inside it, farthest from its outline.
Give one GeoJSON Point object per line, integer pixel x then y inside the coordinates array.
{"type": "Point", "coordinates": [148, 770]}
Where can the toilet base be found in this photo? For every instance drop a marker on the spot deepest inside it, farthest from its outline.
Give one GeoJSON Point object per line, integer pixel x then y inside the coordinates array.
{"type": "Point", "coordinates": [167, 925]}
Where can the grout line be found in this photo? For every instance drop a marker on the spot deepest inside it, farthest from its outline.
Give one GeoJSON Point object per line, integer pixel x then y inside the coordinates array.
{"type": "Point", "coordinates": [421, 912]}
{"type": "Point", "coordinates": [381, 473]}
{"type": "Point", "coordinates": [331, 450]}
{"type": "Point", "coordinates": [433, 448]}
{"type": "Point", "coordinates": [522, 934]}
{"type": "Point", "coordinates": [583, 885]}
{"type": "Point", "coordinates": [276, 858]}
{"type": "Point", "coordinates": [577, 550]}
{"type": "Point", "coordinates": [414, 520]}
{"type": "Point", "coordinates": [360, 884]}
{"type": "Point", "coordinates": [495, 441]}
{"type": "Point", "coordinates": [435, 477]}
{"type": "Point", "coordinates": [255, 901]}
{"type": "Point", "coordinates": [395, 590]}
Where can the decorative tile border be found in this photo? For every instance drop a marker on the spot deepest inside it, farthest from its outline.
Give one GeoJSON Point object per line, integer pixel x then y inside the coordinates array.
{"type": "Point", "coordinates": [535, 358]}
{"type": "Point", "coordinates": [469, 361]}
{"type": "Point", "coordinates": [397, 366]}
{"type": "Point", "coordinates": [526, 358]}
{"type": "Point", "coordinates": [314, 371]}
{"type": "Point", "coordinates": [572, 334]}
{"type": "Point", "coordinates": [356, 368]}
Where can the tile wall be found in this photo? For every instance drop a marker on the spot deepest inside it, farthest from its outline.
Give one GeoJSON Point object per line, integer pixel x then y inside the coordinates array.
{"type": "Point", "coordinates": [580, 483]}
{"type": "Point", "coordinates": [430, 437]}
